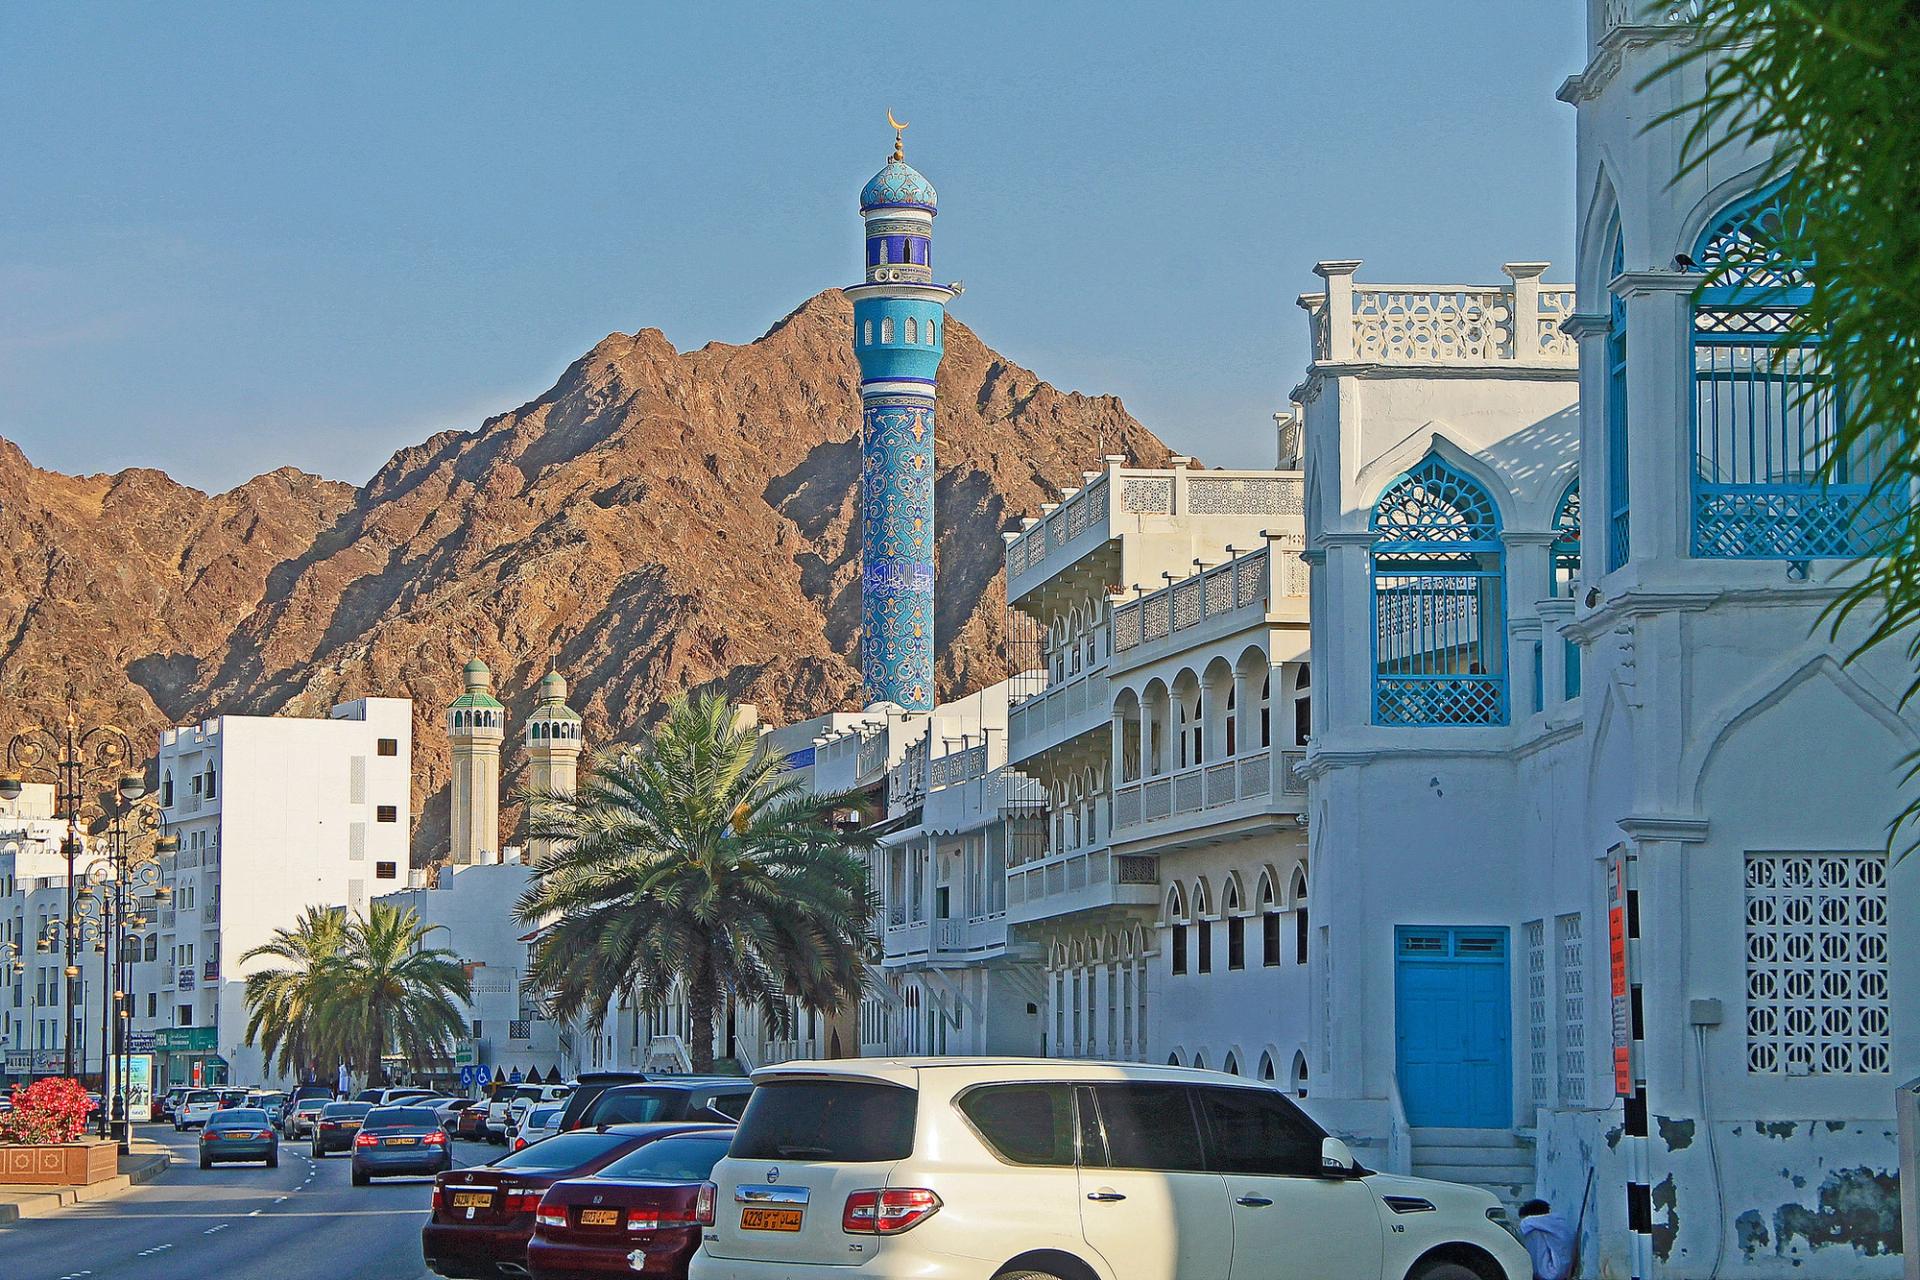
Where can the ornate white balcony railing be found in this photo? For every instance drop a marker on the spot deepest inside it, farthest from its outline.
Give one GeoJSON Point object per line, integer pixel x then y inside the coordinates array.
{"type": "Point", "coordinates": [1205, 787]}
{"type": "Point", "coordinates": [1518, 322]}
{"type": "Point", "coordinates": [1058, 712]}
{"type": "Point", "coordinates": [1251, 582]}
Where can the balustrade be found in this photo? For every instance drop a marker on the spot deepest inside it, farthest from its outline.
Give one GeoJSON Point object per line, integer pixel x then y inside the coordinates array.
{"type": "Point", "coordinates": [1205, 787]}
{"type": "Point", "coordinates": [1441, 324]}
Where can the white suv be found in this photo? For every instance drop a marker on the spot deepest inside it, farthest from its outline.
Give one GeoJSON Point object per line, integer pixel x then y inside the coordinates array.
{"type": "Point", "coordinates": [1038, 1169]}
{"type": "Point", "coordinates": [195, 1108]}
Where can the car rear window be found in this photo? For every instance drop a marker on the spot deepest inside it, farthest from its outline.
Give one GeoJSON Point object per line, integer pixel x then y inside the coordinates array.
{"type": "Point", "coordinates": [239, 1118]}
{"type": "Point", "coordinates": [671, 1159]}
{"type": "Point", "coordinates": [202, 1095]}
{"type": "Point", "coordinates": [834, 1121]}
{"type": "Point", "coordinates": [385, 1117]}
{"type": "Point", "coordinates": [350, 1110]}
{"type": "Point", "coordinates": [1024, 1123]}
{"type": "Point", "coordinates": [565, 1151]}
{"type": "Point", "coordinates": [628, 1105]}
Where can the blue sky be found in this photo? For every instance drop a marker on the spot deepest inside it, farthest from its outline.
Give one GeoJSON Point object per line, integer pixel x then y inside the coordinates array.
{"type": "Point", "coordinates": [235, 237]}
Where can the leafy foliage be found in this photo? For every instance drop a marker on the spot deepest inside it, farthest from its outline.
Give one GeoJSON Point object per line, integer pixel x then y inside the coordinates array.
{"type": "Point", "coordinates": [384, 991]}
{"type": "Point", "coordinates": [1829, 89]}
{"type": "Point", "coordinates": [283, 1003]}
{"type": "Point", "coordinates": [47, 1111]}
{"type": "Point", "coordinates": [697, 858]}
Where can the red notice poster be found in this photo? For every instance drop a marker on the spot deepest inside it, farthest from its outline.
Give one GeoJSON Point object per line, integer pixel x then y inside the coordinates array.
{"type": "Point", "coordinates": [1617, 970]}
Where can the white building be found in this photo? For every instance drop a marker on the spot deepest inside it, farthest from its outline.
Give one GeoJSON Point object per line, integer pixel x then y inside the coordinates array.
{"type": "Point", "coordinates": [1600, 826]}
{"type": "Point", "coordinates": [274, 814]}
{"type": "Point", "coordinates": [34, 1000]}
{"type": "Point", "coordinates": [1170, 625]}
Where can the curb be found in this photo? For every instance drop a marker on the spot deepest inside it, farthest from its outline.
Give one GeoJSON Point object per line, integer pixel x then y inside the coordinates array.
{"type": "Point", "coordinates": [41, 1203]}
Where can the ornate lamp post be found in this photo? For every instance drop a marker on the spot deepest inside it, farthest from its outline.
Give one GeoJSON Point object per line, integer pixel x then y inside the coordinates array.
{"type": "Point", "coordinates": [76, 759]}
{"type": "Point", "coordinates": [127, 882]}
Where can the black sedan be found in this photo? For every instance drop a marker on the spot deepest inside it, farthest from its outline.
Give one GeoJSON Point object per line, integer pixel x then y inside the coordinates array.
{"type": "Point", "coordinates": [400, 1140]}
{"type": "Point", "coordinates": [336, 1125]}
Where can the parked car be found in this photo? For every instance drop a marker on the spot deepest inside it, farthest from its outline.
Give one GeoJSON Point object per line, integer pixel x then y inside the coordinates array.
{"type": "Point", "coordinates": [301, 1116]}
{"type": "Point", "coordinates": [500, 1106]}
{"type": "Point", "coordinates": [1059, 1169]}
{"type": "Point", "coordinates": [589, 1085]}
{"type": "Point", "coordinates": [449, 1110]}
{"type": "Point", "coordinates": [195, 1107]}
{"type": "Point", "coordinates": [540, 1122]}
{"type": "Point", "coordinates": [719, 1098]}
{"type": "Point", "coordinates": [239, 1133]}
{"type": "Point", "coordinates": [169, 1105]}
{"type": "Point", "coordinates": [483, 1216]}
{"type": "Point", "coordinates": [400, 1140]}
{"type": "Point", "coordinates": [388, 1095]}
{"type": "Point", "coordinates": [336, 1126]}
{"type": "Point", "coordinates": [471, 1122]}
{"type": "Point", "coordinates": [640, 1213]}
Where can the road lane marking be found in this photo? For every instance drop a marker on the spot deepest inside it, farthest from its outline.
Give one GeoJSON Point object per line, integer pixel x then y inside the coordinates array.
{"type": "Point", "coordinates": [148, 1253]}
{"type": "Point", "coordinates": [222, 1227]}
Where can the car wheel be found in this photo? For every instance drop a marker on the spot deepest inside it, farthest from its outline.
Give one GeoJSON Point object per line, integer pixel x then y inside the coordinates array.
{"type": "Point", "coordinates": [205, 1163]}
{"type": "Point", "coordinates": [1026, 1275]}
{"type": "Point", "coordinates": [360, 1179]}
{"type": "Point", "coordinates": [273, 1160]}
{"type": "Point", "coordinates": [1447, 1271]}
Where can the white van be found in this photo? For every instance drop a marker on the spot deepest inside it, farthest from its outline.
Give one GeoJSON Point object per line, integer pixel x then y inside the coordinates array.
{"type": "Point", "coordinates": [1041, 1169]}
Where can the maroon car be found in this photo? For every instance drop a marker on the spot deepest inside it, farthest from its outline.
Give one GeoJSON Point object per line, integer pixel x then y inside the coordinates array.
{"type": "Point", "coordinates": [483, 1216]}
{"type": "Point", "coordinates": [640, 1215]}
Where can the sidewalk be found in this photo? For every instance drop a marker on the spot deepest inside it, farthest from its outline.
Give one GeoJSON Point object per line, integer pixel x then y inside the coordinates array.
{"type": "Point", "coordinates": [148, 1160]}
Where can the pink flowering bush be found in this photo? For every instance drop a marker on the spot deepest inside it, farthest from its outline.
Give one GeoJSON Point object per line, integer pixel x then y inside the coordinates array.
{"type": "Point", "coordinates": [50, 1110]}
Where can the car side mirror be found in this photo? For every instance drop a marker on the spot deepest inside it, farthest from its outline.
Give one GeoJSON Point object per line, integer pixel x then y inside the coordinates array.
{"type": "Point", "coordinates": [1336, 1161]}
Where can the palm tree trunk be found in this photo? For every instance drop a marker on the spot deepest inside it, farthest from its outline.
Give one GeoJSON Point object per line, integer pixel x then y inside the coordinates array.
{"type": "Point", "coordinates": [701, 998]}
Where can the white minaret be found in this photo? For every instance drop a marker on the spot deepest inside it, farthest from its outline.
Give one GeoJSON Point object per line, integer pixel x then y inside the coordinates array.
{"type": "Point", "coordinates": [476, 723]}
{"type": "Point", "coordinates": [553, 748]}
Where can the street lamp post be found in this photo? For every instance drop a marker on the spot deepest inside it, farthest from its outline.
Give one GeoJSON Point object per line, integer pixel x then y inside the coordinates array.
{"type": "Point", "coordinates": [126, 882]}
{"type": "Point", "coordinates": [75, 758]}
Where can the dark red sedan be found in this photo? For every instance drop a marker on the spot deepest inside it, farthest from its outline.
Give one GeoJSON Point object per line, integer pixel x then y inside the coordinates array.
{"type": "Point", "coordinates": [640, 1215]}
{"type": "Point", "coordinates": [483, 1216]}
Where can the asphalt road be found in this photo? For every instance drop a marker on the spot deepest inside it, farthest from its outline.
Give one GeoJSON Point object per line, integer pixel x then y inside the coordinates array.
{"type": "Point", "coordinates": [235, 1222]}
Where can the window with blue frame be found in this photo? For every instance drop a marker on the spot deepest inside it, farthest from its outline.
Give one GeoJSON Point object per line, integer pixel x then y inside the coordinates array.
{"type": "Point", "coordinates": [1566, 541]}
{"type": "Point", "coordinates": [1767, 481]}
{"type": "Point", "coordinates": [1439, 612]}
{"type": "Point", "coordinates": [1617, 546]}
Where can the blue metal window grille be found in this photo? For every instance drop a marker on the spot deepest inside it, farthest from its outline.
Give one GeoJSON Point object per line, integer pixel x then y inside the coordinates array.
{"type": "Point", "coordinates": [1767, 483]}
{"type": "Point", "coordinates": [1618, 547]}
{"type": "Point", "coordinates": [1566, 541]}
{"type": "Point", "coordinates": [1439, 633]}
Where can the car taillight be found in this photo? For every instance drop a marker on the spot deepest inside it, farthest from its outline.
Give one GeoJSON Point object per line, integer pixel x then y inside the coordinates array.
{"type": "Point", "coordinates": [522, 1201]}
{"type": "Point", "coordinates": [437, 1138]}
{"type": "Point", "coordinates": [654, 1219]}
{"type": "Point", "coordinates": [703, 1204]}
{"type": "Point", "coordinates": [264, 1133]}
{"type": "Point", "coordinates": [519, 1143]}
{"type": "Point", "coordinates": [888, 1212]}
{"type": "Point", "coordinates": [329, 1124]}
{"type": "Point", "coordinates": [547, 1216]}
{"type": "Point", "coordinates": [365, 1140]}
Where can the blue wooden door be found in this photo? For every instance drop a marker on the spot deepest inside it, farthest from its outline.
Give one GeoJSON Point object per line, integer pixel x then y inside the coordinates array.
{"type": "Point", "coordinates": [1452, 1027]}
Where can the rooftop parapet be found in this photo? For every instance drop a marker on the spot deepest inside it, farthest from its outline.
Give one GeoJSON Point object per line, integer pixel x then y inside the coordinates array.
{"type": "Point", "coordinates": [1424, 325]}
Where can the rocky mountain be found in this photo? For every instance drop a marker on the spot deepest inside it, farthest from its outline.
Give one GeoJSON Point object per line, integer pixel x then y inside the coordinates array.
{"type": "Point", "coordinates": [657, 521]}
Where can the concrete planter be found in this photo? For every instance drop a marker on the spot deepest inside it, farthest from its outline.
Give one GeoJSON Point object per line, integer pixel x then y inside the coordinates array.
{"type": "Point", "coordinates": [67, 1164]}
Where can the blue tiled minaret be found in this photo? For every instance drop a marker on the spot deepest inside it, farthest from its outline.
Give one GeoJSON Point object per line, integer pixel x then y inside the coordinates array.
{"type": "Point", "coordinates": [899, 335]}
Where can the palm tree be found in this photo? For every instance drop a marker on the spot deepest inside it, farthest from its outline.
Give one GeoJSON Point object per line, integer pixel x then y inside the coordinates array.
{"type": "Point", "coordinates": [696, 858]}
{"type": "Point", "coordinates": [383, 990]}
{"type": "Point", "coordinates": [282, 1003]}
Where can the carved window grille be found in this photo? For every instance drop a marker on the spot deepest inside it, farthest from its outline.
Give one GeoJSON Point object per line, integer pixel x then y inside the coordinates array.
{"type": "Point", "coordinates": [1566, 541]}
{"type": "Point", "coordinates": [1816, 928]}
{"type": "Point", "coordinates": [1769, 481]}
{"type": "Point", "coordinates": [1569, 937]}
{"type": "Point", "coordinates": [1439, 617]}
{"type": "Point", "coordinates": [1539, 1030]}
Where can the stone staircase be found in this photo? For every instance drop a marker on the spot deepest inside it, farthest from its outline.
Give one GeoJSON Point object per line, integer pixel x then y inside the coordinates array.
{"type": "Point", "coordinates": [1496, 1159]}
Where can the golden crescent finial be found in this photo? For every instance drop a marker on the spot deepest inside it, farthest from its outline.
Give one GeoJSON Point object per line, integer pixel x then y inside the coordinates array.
{"type": "Point", "coordinates": [899, 144]}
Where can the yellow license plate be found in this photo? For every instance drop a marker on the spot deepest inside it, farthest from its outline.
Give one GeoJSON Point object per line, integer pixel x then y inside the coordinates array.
{"type": "Point", "coordinates": [401, 1142]}
{"type": "Point", "coordinates": [472, 1199]}
{"type": "Point", "coordinates": [599, 1217]}
{"type": "Point", "coordinates": [757, 1219]}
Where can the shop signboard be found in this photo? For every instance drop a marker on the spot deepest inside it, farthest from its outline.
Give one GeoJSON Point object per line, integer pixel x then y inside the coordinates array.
{"type": "Point", "coordinates": [186, 1039]}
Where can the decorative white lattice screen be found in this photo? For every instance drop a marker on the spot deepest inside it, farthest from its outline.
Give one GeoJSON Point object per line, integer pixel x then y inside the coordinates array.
{"type": "Point", "coordinates": [1539, 1031]}
{"type": "Point", "coordinates": [1817, 964]}
{"type": "Point", "coordinates": [1570, 938]}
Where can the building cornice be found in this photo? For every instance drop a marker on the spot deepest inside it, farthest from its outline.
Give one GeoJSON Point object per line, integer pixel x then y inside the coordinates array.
{"type": "Point", "coordinates": [1634, 284]}
{"type": "Point", "coordinates": [1505, 371]}
{"type": "Point", "coordinates": [1660, 826]}
{"type": "Point", "coordinates": [1585, 324]}
{"type": "Point", "coordinates": [1640, 603]}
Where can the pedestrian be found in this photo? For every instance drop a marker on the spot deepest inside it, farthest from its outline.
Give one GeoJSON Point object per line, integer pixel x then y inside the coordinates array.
{"type": "Point", "coordinates": [1549, 1240]}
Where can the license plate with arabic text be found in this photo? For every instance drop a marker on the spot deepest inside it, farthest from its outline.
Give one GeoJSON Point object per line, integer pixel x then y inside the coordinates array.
{"type": "Point", "coordinates": [754, 1218]}
{"type": "Point", "coordinates": [599, 1217]}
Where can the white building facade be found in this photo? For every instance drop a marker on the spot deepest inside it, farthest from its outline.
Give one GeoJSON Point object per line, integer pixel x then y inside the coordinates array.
{"type": "Point", "coordinates": [1600, 824]}
{"type": "Point", "coordinates": [274, 814]}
